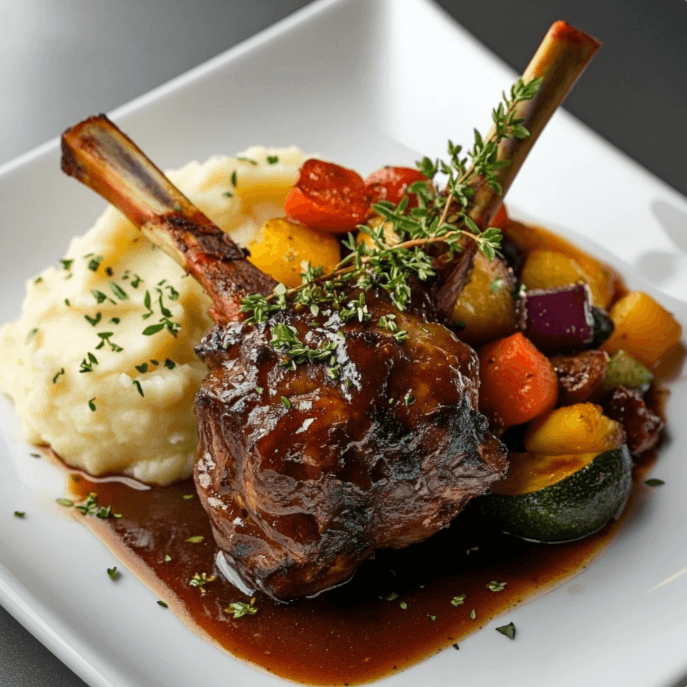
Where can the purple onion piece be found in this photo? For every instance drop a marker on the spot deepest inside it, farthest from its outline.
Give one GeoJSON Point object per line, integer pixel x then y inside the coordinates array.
{"type": "Point", "coordinates": [558, 318]}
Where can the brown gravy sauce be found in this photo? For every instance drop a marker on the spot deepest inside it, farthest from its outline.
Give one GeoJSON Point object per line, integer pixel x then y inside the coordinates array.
{"type": "Point", "coordinates": [356, 633]}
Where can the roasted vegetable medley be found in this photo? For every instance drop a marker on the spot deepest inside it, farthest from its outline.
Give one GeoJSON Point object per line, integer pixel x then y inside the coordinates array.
{"type": "Point", "coordinates": [566, 353]}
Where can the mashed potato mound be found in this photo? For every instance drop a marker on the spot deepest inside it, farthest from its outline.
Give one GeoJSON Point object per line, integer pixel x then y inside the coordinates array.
{"type": "Point", "coordinates": [101, 364]}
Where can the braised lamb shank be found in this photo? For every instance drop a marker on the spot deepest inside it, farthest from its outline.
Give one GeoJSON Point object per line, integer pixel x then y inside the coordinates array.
{"type": "Point", "coordinates": [304, 475]}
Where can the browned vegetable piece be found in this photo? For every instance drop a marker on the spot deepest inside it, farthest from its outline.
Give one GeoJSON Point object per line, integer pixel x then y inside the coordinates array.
{"type": "Point", "coordinates": [281, 249]}
{"type": "Point", "coordinates": [643, 328]}
{"type": "Point", "coordinates": [486, 306]}
{"type": "Point", "coordinates": [642, 426]}
{"type": "Point", "coordinates": [580, 428]}
{"type": "Point", "coordinates": [580, 376]}
{"type": "Point", "coordinates": [559, 318]}
{"type": "Point", "coordinates": [547, 269]}
{"type": "Point", "coordinates": [550, 247]}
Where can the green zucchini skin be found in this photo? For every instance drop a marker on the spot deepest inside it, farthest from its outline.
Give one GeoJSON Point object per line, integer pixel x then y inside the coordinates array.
{"type": "Point", "coordinates": [573, 508]}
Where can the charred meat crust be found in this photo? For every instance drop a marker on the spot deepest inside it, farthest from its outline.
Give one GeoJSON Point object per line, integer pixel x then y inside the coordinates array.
{"type": "Point", "coordinates": [385, 456]}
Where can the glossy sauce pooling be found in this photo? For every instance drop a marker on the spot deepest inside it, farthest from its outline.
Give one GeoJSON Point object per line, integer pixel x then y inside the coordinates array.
{"type": "Point", "coordinates": [355, 633]}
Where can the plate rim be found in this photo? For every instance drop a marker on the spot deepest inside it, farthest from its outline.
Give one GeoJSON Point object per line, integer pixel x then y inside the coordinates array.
{"type": "Point", "coordinates": [16, 597]}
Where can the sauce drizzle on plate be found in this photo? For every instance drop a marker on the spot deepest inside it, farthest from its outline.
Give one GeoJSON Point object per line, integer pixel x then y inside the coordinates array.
{"type": "Point", "coordinates": [399, 608]}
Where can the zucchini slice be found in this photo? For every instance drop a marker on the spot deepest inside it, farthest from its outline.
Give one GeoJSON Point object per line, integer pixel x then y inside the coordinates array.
{"type": "Point", "coordinates": [560, 498]}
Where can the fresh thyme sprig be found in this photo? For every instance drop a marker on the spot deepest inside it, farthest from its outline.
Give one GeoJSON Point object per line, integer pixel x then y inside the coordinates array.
{"type": "Point", "coordinates": [391, 263]}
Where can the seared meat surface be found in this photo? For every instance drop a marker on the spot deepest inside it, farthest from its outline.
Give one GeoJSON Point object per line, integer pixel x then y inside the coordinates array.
{"type": "Point", "coordinates": [304, 476]}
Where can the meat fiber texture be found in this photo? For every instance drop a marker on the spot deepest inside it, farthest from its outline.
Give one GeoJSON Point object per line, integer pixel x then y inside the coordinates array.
{"type": "Point", "coordinates": [104, 396]}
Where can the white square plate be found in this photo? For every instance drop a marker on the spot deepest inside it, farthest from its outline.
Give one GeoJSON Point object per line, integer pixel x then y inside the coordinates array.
{"type": "Point", "coordinates": [347, 79]}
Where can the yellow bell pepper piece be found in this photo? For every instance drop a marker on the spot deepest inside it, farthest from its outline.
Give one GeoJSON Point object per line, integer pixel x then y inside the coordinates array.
{"type": "Point", "coordinates": [281, 249]}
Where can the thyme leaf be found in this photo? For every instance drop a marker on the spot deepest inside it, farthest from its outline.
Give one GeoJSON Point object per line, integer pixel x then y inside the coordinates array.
{"type": "Point", "coordinates": [508, 630]}
{"type": "Point", "coordinates": [239, 609]}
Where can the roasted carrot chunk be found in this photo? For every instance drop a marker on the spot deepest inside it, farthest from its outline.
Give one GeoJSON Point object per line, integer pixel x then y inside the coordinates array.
{"type": "Point", "coordinates": [518, 383]}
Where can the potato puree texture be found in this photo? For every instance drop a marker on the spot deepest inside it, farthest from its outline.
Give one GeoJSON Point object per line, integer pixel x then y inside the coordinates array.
{"type": "Point", "coordinates": [83, 376]}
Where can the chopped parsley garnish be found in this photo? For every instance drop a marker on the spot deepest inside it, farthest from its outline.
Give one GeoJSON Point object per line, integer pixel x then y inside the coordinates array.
{"type": "Point", "coordinates": [163, 604]}
{"type": "Point", "coordinates": [197, 539]}
{"type": "Point", "coordinates": [67, 503]}
{"type": "Point", "coordinates": [455, 646]}
{"type": "Point", "coordinates": [188, 497]}
{"type": "Point", "coordinates": [496, 285]}
{"type": "Point", "coordinates": [91, 404]}
{"type": "Point", "coordinates": [67, 264]}
{"type": "Point", "coordinates": [247, 159]}
{"type": "Point", "coordinates": [272, 159]}
{"type": "Point", "coordinates": [147, 302]}
{"type": "Point", "coordinates": [173, 294]}
{"type": "Point", "coordinates": [31, 334]}
{"type": "Point", "coordinates": [391, 597]}
{"type": "Point", "coordinates": [90, 507]}
{"type": "Point", "coordinates": [94, 263]}
{"type": "Point", "coordinates": [118, 291]}
{"type": "Point", "coordinates": [653, 482]}
{"type": "Point", "coordinates": [94, 320]}
{"type": "Point", "coordinates": [38, 280]}
{"type": "Point", "coordinates": [100, 297]}
{"type": "Point", "coordinates": [165, 321]}
{"type": "Point", "coordinates": [142, 368]}
{"type": "Point", "coordinates": [508, 630]}
{"type": "Point", "coordinates": [496, 586]}
{"type": "Point", "coordinates": [285, 402]}
{"type": "Point", "coordinates": [105, 338]}
{"type": "Point", "coordinates": [473, 614]}
{"type": "Point", "coordinates": [167, 558]}
{"type": "Point", "coordinates": [170, 364]}
{"type": "Point", "coordinates": [138, 386]}
{"type": "Point", "coordinates": [458, 600]}
{"type": "Point", "coordinates": [199, 580]}
{"type": "Point", "coordinates": [87, 364]}
{"type": "Point", "coordinates": [403, 605]}
{"type": "Point", "coordinates": [238, 609]}
{"type": "Point", "coordinates": [113, 573]}
{"type": "Point", "coordinates": [153, 329]}
{"type": "Point", "coordinates": [233, 179]}
{"type": "Point", "coordinates": [58, 375]}
{"type": "Point", "coordinates": [19, 513]}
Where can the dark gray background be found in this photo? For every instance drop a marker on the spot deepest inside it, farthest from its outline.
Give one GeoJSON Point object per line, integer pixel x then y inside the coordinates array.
{"type": "Point", "coordinates": [61, 60]}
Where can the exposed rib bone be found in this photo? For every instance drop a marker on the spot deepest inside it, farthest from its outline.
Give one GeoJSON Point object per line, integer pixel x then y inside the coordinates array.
{"type": "Point", "coordinates": [99, 155]}
{"type": "Point", "coordinates": [562, 56]}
